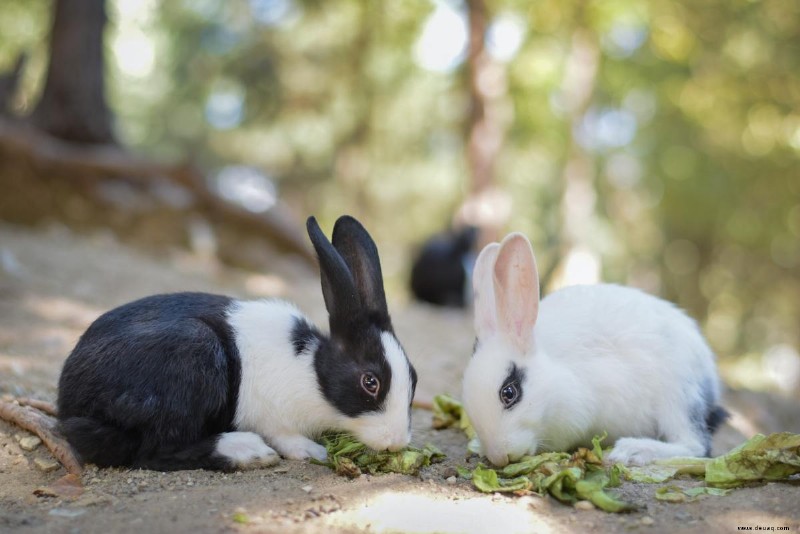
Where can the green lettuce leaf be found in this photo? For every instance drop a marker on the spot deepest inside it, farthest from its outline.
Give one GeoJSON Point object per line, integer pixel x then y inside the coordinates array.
{"type": "Point", "coordinates": [593, 488]}
{"type": "Point", "coordinates": [582, 475]}
{"type": "Point", "coordinates": [761, 458]}
{"type": "Point", "coordinates": [447, 412]}
{"type": "Point", "coordinates": [486, 480]}
{"type": "Point", "coordinates": [349, 457]}
{"type": "Point", "coordinates": [567, 477]}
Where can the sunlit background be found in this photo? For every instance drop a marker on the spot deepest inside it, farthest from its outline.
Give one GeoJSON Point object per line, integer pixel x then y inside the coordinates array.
{"type": "Point", "coordinates": [648, 143]}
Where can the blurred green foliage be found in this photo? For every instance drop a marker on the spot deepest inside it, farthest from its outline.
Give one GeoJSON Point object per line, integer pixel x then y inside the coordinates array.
{"type": "Point", "coordinates": [692, 128]}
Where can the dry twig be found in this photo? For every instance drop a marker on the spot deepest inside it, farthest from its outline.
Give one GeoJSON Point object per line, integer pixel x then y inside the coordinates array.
{"type": "Point", "coordinates": [43, 406]}
{"type": "Point", "coordinates": [44, 426]}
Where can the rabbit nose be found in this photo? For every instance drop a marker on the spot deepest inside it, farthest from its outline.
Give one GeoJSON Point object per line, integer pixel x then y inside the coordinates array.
{"type": "Point", "coordinates": [390, 441]}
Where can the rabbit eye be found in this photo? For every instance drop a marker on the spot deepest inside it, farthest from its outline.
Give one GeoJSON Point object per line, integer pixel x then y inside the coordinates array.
{"type": "Point", "coordinates": [370, 384]}
{"type": "Point", "coordinates": [509, 394]}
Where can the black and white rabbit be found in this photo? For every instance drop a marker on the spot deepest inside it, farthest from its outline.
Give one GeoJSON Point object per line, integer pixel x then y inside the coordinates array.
{"type": "Point", "coordinates": [193, 380]}
{"type": "Point", "coordinates": [441, 272]}
{"type": "Point", "coordinates": [586, 360]}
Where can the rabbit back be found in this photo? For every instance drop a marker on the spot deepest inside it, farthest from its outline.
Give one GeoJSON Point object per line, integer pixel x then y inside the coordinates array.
{"type": "Point", "coordinates": [639, 360]}
{"type": "Point", "coordinates": [158, 374]}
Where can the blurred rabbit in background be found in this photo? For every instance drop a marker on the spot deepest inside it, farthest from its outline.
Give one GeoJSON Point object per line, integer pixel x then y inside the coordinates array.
{"type": "Point", "coordinates": [442, 271]}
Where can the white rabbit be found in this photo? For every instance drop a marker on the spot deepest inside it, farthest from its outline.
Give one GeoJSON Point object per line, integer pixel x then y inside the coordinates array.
{"type": "Point", "coordinates": [586, 360]}
{"type": "Point", "coordinates": [192, 380]}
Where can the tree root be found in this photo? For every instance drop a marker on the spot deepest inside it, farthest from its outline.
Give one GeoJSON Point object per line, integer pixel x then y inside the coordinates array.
{"type": "Point", "coordinates": [43, 406]}
{"type": "Point", "coordinates": [37, 417]}
{"type": "Point", "coordinates": [102, 161]}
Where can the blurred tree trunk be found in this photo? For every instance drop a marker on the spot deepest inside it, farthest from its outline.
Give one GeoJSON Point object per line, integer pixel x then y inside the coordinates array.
{"type": "Point", "coordinates": [73, 105]}
{"type": "Point", "coordinates": [9, 81]}
{"type": "Point", "coordinates": [487, 208]}
{"type": "Point", "coordinates": [484, 135]}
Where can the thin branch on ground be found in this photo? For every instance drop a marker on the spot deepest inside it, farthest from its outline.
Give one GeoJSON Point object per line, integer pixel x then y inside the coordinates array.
{"type": "Point", "coordinates": [43, 406]}
{"type": "Point", "coordinates": [44, 426]}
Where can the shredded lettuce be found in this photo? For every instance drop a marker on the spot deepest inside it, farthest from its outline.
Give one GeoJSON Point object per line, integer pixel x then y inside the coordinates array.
{"type": "Point", "coordinates": [567, 477]}
{"type": "Point", "coordinates": [349, 457]}
{"type": "Point", "coordinates": [583, 476]}
{"type": "Point", "coordinates": [761, 458]}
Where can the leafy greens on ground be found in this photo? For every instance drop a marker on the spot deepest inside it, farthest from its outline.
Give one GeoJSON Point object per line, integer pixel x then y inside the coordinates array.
{"type": "Point", "coordinates": [349, 457]}
{"type": "Point", "coordinates": [582, 475]}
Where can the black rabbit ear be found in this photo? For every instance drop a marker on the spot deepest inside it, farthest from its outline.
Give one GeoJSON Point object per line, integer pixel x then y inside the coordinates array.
{"type": "Point", "coordinates": [360, 253]}
{"type": "Point", "coordinates": [338, 288]}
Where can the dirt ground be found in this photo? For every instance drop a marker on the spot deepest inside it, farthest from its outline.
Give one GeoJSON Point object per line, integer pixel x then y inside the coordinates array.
{"type": "Point", "coordinates": [53, 283]}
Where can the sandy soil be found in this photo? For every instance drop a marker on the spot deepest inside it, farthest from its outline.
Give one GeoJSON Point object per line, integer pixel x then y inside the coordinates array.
{"type": "Point", "coordinates": [54, 283]}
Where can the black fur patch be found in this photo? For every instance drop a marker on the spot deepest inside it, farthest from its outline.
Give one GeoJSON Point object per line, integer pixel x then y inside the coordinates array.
{"type": "Point", "coordinates": [339, 364]}
{"type": "Point", "coordinates": [152, 384]}
{"type": "Point", "coordinates": [516, 376]}
{"type": "Point", "coordinates": [715, 418]}
{"type": "Point", "coordinates": [706, 416]}
{"type": "Point", "coordinates": [303, 335]}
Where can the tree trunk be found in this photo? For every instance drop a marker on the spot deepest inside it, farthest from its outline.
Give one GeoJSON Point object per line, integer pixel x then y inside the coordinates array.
{"type": "Point", "coordinates": [484, 136]}
{"type": "Point", "coordinates": [487, 207]}
{"type": "Point", "coordinates": [9, 81]}
{"type": "Point", "coordinates": [73, 104]}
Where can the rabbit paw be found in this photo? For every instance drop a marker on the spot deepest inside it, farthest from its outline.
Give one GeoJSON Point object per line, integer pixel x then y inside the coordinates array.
{"type": "Point", "coordinates": [246, 450]}
{"type": "Point", "coordinates": [299, 448]}
{"type": "Point", "coordinates": [642, 451]}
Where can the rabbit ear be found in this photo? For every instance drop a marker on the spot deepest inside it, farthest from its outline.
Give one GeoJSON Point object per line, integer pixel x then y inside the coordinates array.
{"type": "Point", "coordinates": [360, 254]}
{"type": "Point", "coordinates": [516, 288]}
{"type": "Point", "coordinates": [338, 288]}
{"type": "Point", "coordinates": [483, 291]}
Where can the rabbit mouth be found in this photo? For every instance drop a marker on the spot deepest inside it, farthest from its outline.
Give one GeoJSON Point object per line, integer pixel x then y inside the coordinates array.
{"type": "Point", "coordinates": [500, 460]}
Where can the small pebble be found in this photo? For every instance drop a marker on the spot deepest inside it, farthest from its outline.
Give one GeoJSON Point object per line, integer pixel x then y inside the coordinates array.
{"type": "Point", "coordinates": [29, 443]}
{"type": "Point", "coordinates": [46, 464]}
{"type": "Point", "coordinates": [584, 505]}
{"type": "Point", "coordinates": [308, 488]}
{"type": "Point", "coordinates": [450, 480]}
{"type": "Point", "coordinates": [449, 472]}
{"type": "Point", "coordinates": [647, 521]}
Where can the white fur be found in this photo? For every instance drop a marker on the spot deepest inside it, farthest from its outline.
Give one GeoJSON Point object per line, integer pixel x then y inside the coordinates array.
{"type": "Point", "coordinates": [279, 397]}
{"type": "Point", "coordinates": [602, 358]}
{"type": "Point", "coordinates": [388, 429]}
{"type": "Point", "coordinates": [246, 449]}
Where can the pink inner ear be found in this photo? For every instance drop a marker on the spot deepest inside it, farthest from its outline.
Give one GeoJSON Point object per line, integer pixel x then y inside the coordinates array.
{"type": "Point", "coordinates": [516, 286]}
